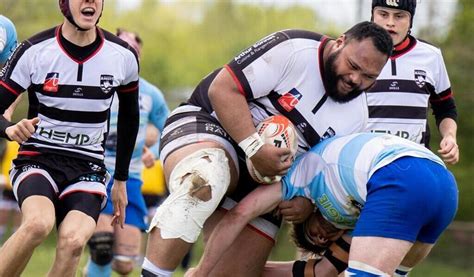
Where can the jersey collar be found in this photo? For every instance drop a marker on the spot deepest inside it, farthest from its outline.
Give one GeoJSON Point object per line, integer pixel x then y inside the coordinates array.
{"type": "Point", "coordinates": [403, 47]}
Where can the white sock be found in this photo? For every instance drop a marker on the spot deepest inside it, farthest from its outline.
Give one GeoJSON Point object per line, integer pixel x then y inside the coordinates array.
{"type": "Point", "coordinates": [149, 266]}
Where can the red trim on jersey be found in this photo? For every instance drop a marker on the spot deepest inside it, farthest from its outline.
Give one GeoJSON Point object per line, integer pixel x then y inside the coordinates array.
{"type": "Point", "coordinates": [444, 98]}
{"type": "Point", "coordinates": [101, 35]}
{"type": "Point", "coordinates": [402, 48]}
{"type": "Point", "coordinates": [402, 45]}
{"type": "Point", "coordinates": [263, 234]}
{"type": "Point", "coordinates": [236, 80]}
{"type": "Point", "coordinates": [135, 88]}
{"type": "Point", "coordinates": [29, 153]}
{"type": "Point", "coordinates": [9, 88]}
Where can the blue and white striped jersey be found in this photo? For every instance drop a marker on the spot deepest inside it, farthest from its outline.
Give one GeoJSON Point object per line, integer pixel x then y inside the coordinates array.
{"type": "Point", "coordinates": [153, 109]}
{"type": "Point", "coordinates": [335, 172]}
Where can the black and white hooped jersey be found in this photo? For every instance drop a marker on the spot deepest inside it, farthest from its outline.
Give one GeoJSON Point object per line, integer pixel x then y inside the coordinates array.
{"type": "Point", "coordinates": [413, 77]}
{"type": "Point", "coordinates": [282, 74]}
{"type": "Point", "coordinates": [71, 96]}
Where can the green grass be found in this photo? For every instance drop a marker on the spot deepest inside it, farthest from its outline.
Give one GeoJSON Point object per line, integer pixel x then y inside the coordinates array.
{"type": "Point", "coordinates": [449, 258]}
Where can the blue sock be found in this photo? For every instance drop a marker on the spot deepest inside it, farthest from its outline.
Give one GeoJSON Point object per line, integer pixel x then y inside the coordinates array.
{"type": "Point", "coordinates": [95, 270]}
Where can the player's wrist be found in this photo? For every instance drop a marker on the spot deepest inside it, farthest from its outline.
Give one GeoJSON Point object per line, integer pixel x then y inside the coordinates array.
{"type": "Point", "coordinates": [251, 144]}
{"type": "Point", "coordinates": [119, 182]}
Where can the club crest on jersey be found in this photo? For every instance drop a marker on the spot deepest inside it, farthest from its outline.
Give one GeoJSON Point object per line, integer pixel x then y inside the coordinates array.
{"type": "Point", "coordinates": [106, 83]}
{"type": "Point", "coordinates": [289, 100]}
{"type": "Point", "coordinates": [51, 82]}
{"type": "Point", "coordinates": [420, 77]}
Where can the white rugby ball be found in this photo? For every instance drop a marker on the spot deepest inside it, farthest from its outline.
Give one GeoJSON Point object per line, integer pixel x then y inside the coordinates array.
{"type": "Point", "coordinates": [280, 132]}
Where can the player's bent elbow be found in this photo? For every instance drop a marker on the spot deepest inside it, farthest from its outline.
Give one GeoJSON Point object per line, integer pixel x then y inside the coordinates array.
{"type": "Point", "coordinates": [241, 214]}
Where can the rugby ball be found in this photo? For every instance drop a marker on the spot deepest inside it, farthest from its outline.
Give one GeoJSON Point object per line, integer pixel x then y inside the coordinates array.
{"type": "Point", "coordinates": [280, 132]}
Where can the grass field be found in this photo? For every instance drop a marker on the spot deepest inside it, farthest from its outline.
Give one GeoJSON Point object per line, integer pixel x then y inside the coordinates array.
{"type": "Point", "coordinates": [447, 259]}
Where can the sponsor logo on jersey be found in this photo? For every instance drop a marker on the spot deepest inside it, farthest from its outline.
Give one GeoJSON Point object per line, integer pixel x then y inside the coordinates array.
{"type": "Point", "coordinates": [8, 64]}
{"type": "Point", "coordinates": [393, 3]}
{"type": "Point", "coordinates": [215, 129]}
{"type": "Point", "coordinates": [398, 133]}
{"type": "Point", "coordinates": [68, 138]}
{"type": "Point", "coordinates": [78, 92]}
{"type": "Point", "coordinates": [289, 100]}
{"type": "Point", "coordinates": [328, 134]}
{"type": "Point", "coordinates": [29, 167]}
{"type": "Point", "coordinates": [4, 69]}
{"type": "Point", "coordinates": [106, 83]}
{"type": "Point", "coordinates": [96, 178]}
{"type": "Point", "coordinates": [420, 77]}
{"type": "Point", "coordinates": [331, 213]}
{"type": "Point", "coordinates": [51, 82]}
{"type": "Point", "coordinates": [264, 41]}
{"type": "Point", "coordinates": [302, 127]}
{"type": "Point", "coordinates": [260, 45]}
{"type": "Point", "coordinates": [95, 167]}
{"type": "Point", "coordinates": [394, 86]}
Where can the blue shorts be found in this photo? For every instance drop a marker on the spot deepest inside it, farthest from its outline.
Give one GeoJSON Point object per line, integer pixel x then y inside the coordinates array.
{"type": "Point", "coordinates": [136, 212]}
{"type": "Point", "coordinates": [411, 199]}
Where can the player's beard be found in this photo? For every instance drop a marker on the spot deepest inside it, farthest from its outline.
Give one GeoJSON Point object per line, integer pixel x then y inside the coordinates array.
{"type": "Point", "coordinates": [331, 80]}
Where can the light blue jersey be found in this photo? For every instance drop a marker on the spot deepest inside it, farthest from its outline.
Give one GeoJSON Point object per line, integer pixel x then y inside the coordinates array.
{"type": "Point", "coordinates": [334, 173]}
{"type": "Point", "coordinates": [8, 39]}
{"type": "Point", "coordinates": [153, 109]}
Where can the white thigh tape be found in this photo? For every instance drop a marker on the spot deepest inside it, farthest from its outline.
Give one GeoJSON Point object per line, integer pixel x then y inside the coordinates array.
{"type": "Point", "coordinates": [365, 268]}
{"type": "Point", "coordinates": [182, 215]}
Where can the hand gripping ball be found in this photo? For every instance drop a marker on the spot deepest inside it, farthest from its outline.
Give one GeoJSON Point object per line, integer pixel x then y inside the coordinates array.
{"type": "Point", "coordinates": [280, 132]}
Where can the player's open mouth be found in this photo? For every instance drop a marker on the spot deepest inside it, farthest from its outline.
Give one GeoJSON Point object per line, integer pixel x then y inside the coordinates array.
{"type": "Point", "coordinates": [89, 12]}
{"type": "Point", "coordinates": [346, 85]}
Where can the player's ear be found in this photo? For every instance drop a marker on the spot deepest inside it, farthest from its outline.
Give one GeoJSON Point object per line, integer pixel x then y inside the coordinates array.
{"type": "Point", "coordinates": [340, 41]}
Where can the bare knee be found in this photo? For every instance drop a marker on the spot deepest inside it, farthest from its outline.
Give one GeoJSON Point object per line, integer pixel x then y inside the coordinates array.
{"type": "Point", "coordinates": [71, 243]}
{"type": "Point", "coordinates": [36, 229]}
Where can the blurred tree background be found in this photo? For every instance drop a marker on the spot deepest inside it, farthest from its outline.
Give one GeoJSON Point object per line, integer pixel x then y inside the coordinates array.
{"type": "Point", "coordinates": [458, 53]}
{"type": "Point", "coordinates": [184, 40]}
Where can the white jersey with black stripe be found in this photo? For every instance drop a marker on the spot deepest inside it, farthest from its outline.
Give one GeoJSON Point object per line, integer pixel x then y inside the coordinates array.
{"type": "Point", "coordinates": [398, 103]}
{"type": "Point", "coordinates": [71, 97]}
{"type": "Point", "coordinates": [282, 74]}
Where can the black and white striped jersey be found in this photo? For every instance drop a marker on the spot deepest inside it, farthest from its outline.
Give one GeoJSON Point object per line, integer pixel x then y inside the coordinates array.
{"type": "Point", "coordinates": [282, 74]}
{"type": "Point", "coordinates": [70, 94]}
{"type": "Point", "coordinates": [399, 101]}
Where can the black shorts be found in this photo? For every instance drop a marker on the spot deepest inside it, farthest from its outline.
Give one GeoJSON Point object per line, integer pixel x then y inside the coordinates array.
{"type": "Point", "coordinates": [70, 183]}
{"type": "Point", "coordinates": [189, 124]}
